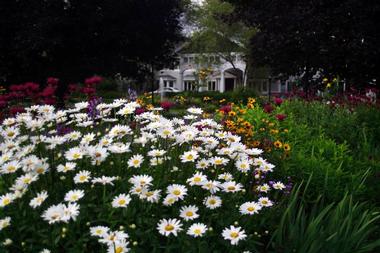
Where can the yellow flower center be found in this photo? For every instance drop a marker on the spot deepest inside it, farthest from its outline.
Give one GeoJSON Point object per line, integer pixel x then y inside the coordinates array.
{"type": "Point", "coordinates": [234, 234]}
{"type": "Point", "coordinates": [136, 162]}
{"type": "Point", "coordinates": [212, 202]}
{"type": "Point", "coordinates": [231, 188]}
{"type": "Point", "coordinates": [76, 156]}
{"type": "Point", "coordinates": [121, 202]}
{"type": "Point", "coordinates": [197, 231]}
{"type": "Point", "coordinates": [190, 157]}
{"type": "Point", "coordinates": [6, 202]}
{"type": "Point", "coordinates": [148, 194]}
{"type": "Point", "coordinates": [82, 177]}
{"type": "Point", "coordinates": [197, 179]}
{"type": "Point", "coordinates": [189, 213]}
{"type": "Point", "coordinates": [177, 192]}
{"type": "Point", "coordinates": [10, 134]}
{"type": "Point", "coordinates": [264, 202]}
{"type": "Point", "coordinates": [251, 209]}
{"type": "Point", "coordinates": [119, 250]}
{"type": "Point", "coordinates": [11, 168]}
{"type": "Point", "coordinates": [169, 227]}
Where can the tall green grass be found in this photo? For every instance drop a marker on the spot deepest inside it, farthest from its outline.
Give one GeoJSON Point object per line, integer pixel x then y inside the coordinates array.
{"type": "Point", "coordinates": [343, 227]}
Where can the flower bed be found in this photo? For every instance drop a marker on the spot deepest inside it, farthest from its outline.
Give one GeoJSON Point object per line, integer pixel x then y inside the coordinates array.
{"type": "Point", "coordinates": [109, 180]}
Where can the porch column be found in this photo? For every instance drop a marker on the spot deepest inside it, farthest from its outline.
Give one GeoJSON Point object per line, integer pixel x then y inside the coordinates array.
{"type": "Point", "coordinates": [181, 86]}
{"type": "Point", "coordinates": [222, 83]}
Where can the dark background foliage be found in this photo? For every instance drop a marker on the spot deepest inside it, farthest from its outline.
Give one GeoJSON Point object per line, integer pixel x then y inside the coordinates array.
{"type": "Point", "coordinates": [77, 38]}
{"type": "Point", "coordinates": [341, 37]}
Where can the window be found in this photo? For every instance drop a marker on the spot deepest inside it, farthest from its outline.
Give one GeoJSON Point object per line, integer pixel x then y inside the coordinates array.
{"type": "Point", "coordinates": [168, 83]}
{"type": "Point", "coordinates": [211, 85]}
{"type": "Point", "coordinates": [189, 85]}
{"type": "Point", "coordinates": [185, 59]}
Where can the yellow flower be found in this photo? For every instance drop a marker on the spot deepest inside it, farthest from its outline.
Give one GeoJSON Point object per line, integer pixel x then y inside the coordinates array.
{"type": "Point", "coordinates": [231, 113]}
{"type": "Point", "coordinates": [277, 144]}
{"type": "Point", "coordinates": [286, 147]}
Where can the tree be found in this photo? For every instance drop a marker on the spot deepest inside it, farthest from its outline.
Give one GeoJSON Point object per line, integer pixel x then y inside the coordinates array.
{"type": "Point", "coordinates": [216, 31]}
{"type": "Point", "coordinates": [338, 38]}
{"type": "Point", "coordinates": [73, 39]}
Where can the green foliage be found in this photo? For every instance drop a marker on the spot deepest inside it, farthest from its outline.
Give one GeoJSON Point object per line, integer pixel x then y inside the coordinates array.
{"type": "Point", "coordinates": [336, 145]}
{"type": "Point", "coordinates": [312, 228]}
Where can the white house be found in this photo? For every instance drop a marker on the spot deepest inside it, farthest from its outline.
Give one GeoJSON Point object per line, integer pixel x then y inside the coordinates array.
{"type": "Point", "coordinates": [225, 76]}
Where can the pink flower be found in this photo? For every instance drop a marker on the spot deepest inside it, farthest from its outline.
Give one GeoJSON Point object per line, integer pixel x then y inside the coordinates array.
{"type": "Point", "coordinates": [278, 101]}
{"type": "Point", "coordinates": [281, 117]}
{"type": "Point", "coordinates": [225, 109]}
{"type": "Point", "coordinates": [268, 108]}
{"type": "Point", "coordinates": [93, 80]}
{"type": "Point", "coordinates": [139, 111]}
{"type": "Point", "coordinates": [166, 105]}
{"type": "Point", "coordinates": [15, 110]}
{"type": "Point", "coordinates": [52, 80]}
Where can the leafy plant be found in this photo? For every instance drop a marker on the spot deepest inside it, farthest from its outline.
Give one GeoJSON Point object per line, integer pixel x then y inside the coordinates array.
{"type": "Point", "coordinates": [312, 228]}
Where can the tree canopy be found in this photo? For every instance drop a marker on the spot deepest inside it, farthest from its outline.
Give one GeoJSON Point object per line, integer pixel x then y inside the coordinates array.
{"type": "Point", "coordinates": [217, 31]}
{"type": "Point", "coordinates": [339, 38]}
{"type": "Point", "coordinates": [73, 39]}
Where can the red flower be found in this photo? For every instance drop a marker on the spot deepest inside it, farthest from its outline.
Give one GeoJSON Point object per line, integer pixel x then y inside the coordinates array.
{"type": "Point", "coordinates": [166, 105]}
{"type": "Point", "coordinates": [52, 80]}
{"type": "Point", "coordinates": [281, 117]}
{"type": "Point", "coordinates": [268, 108]}
{"type": "Point", "coordinates": [139, 110]}
{"type": "Point", "coordinates": [88, 91]}
{"type": "Point", "coordinates": [225, 109]}
{"type": "Point", "coordinates": [48, 91]}
{"type": "Point", "coordinates": [73, 87]}
{"type": "Point", "coordinates": [278, 101]}
{"type": "Point", "coordinates": [15, 110]}
{"type": "Point", "coordinates": [93, 80]}
{"type": "Point", "coordinates": [3, 104]}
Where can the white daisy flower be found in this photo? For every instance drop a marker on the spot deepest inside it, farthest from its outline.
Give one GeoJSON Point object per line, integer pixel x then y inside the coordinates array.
{"type": "Point", "coordinates": [69, 166]}
{"type": "Point", "coordinates": [278, 186]}
{"type": "Point", "coordinates": [82, 176]}
{"type": "Point", "coordinates": [189, 213]}
{"type": "Point", "coordinates": [74, 154]}
{"type": "Point", "coordinates": [250, 208]}
{"type": "Point", "coordinates": [197, 230]}
{"type": "Point", "coordinates": [74, 195]}
{"type": "Point", "coordinates": [99, 231]}
{"type": "Point", "coordinates": [6, 199]}
{"type": "Point", "coordinates": [189, 156]}
{"type": "Point", "coordinates": [197, 179]}
{"type": "Point", "coordinates": [167, 227]}
{"type": "Point", "coordinates": [234, 234]}
{"type": "Point", "coordinates": [211, 185]}
{"type": "Point", "coordinates": [232, 186]}
{"type": "Point", "coordinates": [194, 110]}
{"type": "Point", "coordinates": [135, 161]}
{"type": "Point", "coordinates": [264, 201]}
{"type": "Point", "coordinates": [212, 202]}
{"type": "Point", "coordinates": [263, 188]}
{"type": "Point", "coordinates": [177, 191]}
{"type": "Point", "coordinates": [121, 201]}
{"type": "Point", "coordinates": [141, 180]}
{"type": "Point", "coordinates": [37, 201]}
{"type": "Point", "coordinates": [218, 161]}
{"type": "Point", "coordinates": [5, 222]}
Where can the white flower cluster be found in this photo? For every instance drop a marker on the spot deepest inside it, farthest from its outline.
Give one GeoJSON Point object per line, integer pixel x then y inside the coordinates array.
{"type": "Point", "coordinates": [167, 161]}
